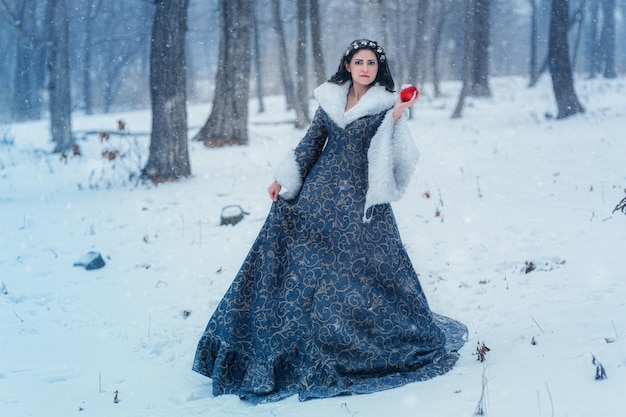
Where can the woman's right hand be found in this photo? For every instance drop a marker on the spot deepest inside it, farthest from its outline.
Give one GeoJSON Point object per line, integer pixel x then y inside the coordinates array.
{"type": "Point", "coordinates": [273, 190]}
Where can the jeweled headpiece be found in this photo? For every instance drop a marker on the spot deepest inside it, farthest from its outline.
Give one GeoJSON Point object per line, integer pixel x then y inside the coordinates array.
{"type": "Point", "coordinates": [366, 44]}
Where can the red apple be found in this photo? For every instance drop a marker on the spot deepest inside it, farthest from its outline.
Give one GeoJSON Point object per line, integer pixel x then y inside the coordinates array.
{"type": "Point", "coordinates": [406, 93]}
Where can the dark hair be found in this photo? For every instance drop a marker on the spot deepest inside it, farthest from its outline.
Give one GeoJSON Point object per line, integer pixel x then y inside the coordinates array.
{"type": "Point", "coordinates": [383, 77]}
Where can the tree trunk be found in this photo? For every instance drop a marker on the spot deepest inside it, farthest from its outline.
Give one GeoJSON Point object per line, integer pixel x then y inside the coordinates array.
{"type": "Point", "coordinates": [480, 59]}
{"type": "Point", "coordinates": [417, 61]}
{"type": "Point", "coordinates": [285, 70]}
{"type": "Point", "coordinates": [59, 76]}
{"type": "Point", "coordinates": [384, 32]}
{"type": "Point", "coordinates": [228, 122]}
{"type": "Point", "coordinates": [532, 62]}
{"type": "Point", "coordinates": [29, 69]}
{"type": "Point", "coordinates": [302, 96]}
{"type": "Point", "coordinates": [468, 59]}
{"type": "Point", "coordinates": [258, 63]}
{"type": "Point", "coordinates": [577, 17]}
{"type": "Point", "coordinates": [559, 61]}
{"type": "Point", "coordinates": [169, 156]}
{"type": "Point", "coordinates": [93, 7]}
{"type": "Point", "coordinates": [316, 41]}
{"type": "Point", "coordinates": [607, 38]}
{"type": "Point", "coordinates": [593, 42]}
{"type": "Point", "coordinates": [546, 61]}
{"type": "Point", "coordinates": [87, 93]}
{"type": "Point", "coordinates": [440, 17]}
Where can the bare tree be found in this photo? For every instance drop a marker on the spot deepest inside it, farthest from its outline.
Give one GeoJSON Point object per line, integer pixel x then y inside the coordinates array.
{"type": "Point", "coordinates": [383, 22]}
{"type": "Point", "coordinates": [111, 61]}
{"type": "Point", "coordinates": [571, 20]}
{"type": "Point", "coordinates": [228, 121]}
{"type": "Point", "coordinates": [468, 58]}
{"type": "Point", "coordinates": [258, 61]}
{"type": "Point", "coordinates": [602, 57]}
{"type": "Point", "coordinates": [54, 41]}
{"type": "Point", "coordinates": [302, 96]}
{"type": "Point", "coordinates": [559, 61]}
{"type": "Point", "coordinates": [169, 157]}
{"type": "Point", "coordinates": [316, 42]}
{"type": "Point", "coordinates": [285, 70]}
{"type": "Point", "coordinates": [441, 12]}
{"type": "Point", "coordinates": [30, 57]}
{"type": "Point", "coordinates": [417, 65]}
{"type": "Point", "coordinates": [476, 57]}
{"type": "Point", "coordinates": [93, 9]}
{"type": "Point", "coordinates": [59, 76]}
{"type": "Point", "coordinates": [480, 60]}
{"type": "Point", "coordinates": [532, 62]}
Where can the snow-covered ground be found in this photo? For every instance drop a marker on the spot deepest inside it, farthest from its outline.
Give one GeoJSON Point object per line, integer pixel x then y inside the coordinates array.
{"type": "Point", "coordinates": [501, 188]}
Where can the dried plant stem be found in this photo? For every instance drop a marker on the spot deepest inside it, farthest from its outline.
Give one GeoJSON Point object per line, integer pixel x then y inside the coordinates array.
{"type": "Point", "coordinates": [550, 397]}
{"type": "Point", "coordinates": [481, 407]}
{"type": "Point", "coordinates": [480, 193]}
{"type": "Point", "coordinates": [18, 316]}
{"type": "Point", "coordinates": [538, 325]}
{"type": "Point", "coordinates": [538, 402]}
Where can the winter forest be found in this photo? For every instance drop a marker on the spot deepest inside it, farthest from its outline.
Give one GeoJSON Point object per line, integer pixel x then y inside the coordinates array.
{"type": "Point", "coordinates": [95, 56]}
{"type": "Point", "coordinates": [131, 129]}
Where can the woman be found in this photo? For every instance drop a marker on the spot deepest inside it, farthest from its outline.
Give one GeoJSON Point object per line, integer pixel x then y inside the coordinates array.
{"type": "Point", "coordinates": [327, 301]}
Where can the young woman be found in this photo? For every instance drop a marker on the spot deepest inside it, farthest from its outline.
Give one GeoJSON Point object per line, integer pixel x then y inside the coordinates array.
{"type": "Point", "coordinates": [327, 301]}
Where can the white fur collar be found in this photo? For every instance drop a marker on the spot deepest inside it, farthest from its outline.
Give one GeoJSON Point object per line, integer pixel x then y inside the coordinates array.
{"type": "Point", "coordinates": [333, 98]}
{"type": "Point", "coordinates": [391, 157]}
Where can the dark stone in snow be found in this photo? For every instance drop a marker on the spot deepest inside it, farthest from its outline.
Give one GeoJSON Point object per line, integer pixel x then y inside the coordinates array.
{"type": "Point", "coordinates": [92, 260]}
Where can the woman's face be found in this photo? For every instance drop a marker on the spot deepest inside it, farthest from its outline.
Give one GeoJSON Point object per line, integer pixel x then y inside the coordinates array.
{"type": "Point", "coordinates": [363, 67]}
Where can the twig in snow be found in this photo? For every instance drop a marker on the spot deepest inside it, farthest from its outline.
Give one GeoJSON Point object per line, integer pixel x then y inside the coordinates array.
{"type": "Point", "coordinates": [100, 382]}
{"type": "Point", "coordinates": [438, 212]}
{"type": "Point", "coordinates": [621, 206]}
{"type": "Point", "coordinates": [550, 397]}
{"type": "Point", "coordinates": [481, 407]}
{"type": "Point", "coordinates": [612, 339]}
{"type": "Point", "coordinates": [18, 316]}
{"type": "Point", "coordinates": [600, 371]}
{"type": "Point", "coordinates": [537, 324]}
{"type": "Point", "coordinates": [345, 405]}
{"type": "Point", "coordinates": [538, 402]}
{"type": "Point", "coordinates": [480, 193]}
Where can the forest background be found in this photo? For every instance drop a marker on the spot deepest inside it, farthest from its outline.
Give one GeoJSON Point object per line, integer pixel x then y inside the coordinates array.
{"type": "Point", "coordinates": [96, 56]}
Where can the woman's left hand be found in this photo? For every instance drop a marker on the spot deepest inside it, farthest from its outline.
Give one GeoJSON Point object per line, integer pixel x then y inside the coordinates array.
{"type": "Point", "coordinates": [400, 106]}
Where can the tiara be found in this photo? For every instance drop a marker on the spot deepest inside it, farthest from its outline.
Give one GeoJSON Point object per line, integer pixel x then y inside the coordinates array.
{"type": "Point", "coordinates": [356, 45]}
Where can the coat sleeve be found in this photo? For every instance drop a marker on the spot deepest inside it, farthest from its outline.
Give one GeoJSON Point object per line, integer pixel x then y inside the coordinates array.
{"type": "Point", "coordinates": [392, 157]}
{"type": "Point", "coordinates": [294, 168]}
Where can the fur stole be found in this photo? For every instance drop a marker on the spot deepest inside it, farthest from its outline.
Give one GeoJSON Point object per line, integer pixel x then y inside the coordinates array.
{"type": "Point", "coordinates": [392, 154]}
